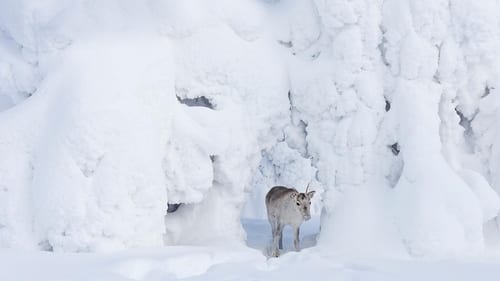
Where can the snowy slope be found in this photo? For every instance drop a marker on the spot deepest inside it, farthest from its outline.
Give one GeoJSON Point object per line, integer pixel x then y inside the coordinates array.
{"type": "Point", "coordinates": [236, 262]}
{"type": "Point", "coordinates": [110, 110]}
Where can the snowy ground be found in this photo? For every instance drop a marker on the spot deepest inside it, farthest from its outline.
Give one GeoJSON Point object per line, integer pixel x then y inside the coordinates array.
{"type": "Point", "coordinates": [235, 262]}
{"type": "Point", "coordinates": [112, 109]}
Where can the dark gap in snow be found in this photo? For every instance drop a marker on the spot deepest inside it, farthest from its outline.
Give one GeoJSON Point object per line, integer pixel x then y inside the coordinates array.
{"type": "Point", "coordinates": [395, 149]}
{"type": "Point", "coordinates": [172, 207]}
{"type": "Point", "coordinates": [316, 55]}
{"type": "Point", "coordinates": [487, 91]}
{"type": "Point", "coordinates": [27, 94]}
{"type": "Point", "coordinates": [387, 106]}
{"type": "Point", "coordinates": [382, 47]}
{"type": "Point", "coordinates": [287, 44]}
{"type": "Point", "coordinates": [464, 121]}
{"type": "Point", "coordinates": [303, 125]}
{"type": "Point", "coordinates": [290, 99]}
{"type": "Point", "coordinates": [468, 132]}
{"type": "Point", "coordinates": [215, 162]}
{"type": "Point", "coordinates": [435, 77]}
{"type": "Point", "coordinates": [46, 246]}
{"type": "Point", "coordinates": [200, 101]}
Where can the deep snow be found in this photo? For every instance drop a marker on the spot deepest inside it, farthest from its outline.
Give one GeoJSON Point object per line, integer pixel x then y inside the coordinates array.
{"type": "Point", "coordinates": [111, 110]}
{"type": "Point", "coordinates": [228, 261]}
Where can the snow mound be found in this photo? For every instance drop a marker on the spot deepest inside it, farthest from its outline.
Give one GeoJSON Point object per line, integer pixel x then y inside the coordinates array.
{"type": "Point", "coordinates": [110, 112]}
{"type": "Point", "coordinates": [114, 134]}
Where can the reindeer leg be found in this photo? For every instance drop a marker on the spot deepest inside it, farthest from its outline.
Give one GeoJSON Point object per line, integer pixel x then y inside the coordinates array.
{"type": "Point", "coordinates": [279, 236]}
{"type": "Point", "coordinates": [281, 240]}
{"type": "Point", "coordinates": [274, 247]}
{"type": "Point", "coordinates": [296, 241]}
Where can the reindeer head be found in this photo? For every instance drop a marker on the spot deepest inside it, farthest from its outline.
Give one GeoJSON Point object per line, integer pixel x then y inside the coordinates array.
{"type": "Point", "coordinates": [303, 202]}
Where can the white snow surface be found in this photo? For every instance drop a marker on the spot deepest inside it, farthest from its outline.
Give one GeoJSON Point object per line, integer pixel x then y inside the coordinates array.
{"type": "Point", "coordinates": [111, 110]}
{"type": "Point", "coordinates": [229, 261]}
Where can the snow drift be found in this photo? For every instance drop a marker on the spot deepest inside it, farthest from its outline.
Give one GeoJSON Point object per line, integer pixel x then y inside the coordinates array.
{"type": "Point", "coordinates": [110, 111]}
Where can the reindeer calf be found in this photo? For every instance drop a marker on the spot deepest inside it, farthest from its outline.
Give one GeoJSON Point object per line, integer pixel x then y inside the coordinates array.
{"type": "Point", "coordinates": [287, 206]}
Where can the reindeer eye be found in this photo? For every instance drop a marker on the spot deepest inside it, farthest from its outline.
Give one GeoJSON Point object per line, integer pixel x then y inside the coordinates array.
{"type": "Point", "coordinates": [298, 204]}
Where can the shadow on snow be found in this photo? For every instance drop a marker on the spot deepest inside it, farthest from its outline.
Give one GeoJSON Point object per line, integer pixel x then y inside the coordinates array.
{"type": "Point", "coordinates": [259, 235]}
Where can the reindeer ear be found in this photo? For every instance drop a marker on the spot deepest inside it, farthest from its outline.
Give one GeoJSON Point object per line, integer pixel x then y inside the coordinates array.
{"type": "Point", "coordinates": [294, 194]}
{"type": "Point", "coordinates": [310, 194]}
